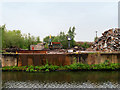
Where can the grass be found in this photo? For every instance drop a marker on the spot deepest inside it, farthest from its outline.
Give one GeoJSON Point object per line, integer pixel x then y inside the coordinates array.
{"type": "Point", "coordinates": [72, 67]}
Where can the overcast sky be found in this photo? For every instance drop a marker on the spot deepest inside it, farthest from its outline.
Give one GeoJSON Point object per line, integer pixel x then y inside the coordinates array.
{"type": "Point", "coordinates": [45, 18]}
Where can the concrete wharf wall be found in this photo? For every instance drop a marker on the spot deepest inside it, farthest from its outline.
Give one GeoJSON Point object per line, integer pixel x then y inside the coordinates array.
{"type": "Point", "coordinates": [58, 59]}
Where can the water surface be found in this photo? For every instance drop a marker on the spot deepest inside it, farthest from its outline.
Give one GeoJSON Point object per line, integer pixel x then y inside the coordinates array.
{"type": "Point", "coordinates": [80, 79]}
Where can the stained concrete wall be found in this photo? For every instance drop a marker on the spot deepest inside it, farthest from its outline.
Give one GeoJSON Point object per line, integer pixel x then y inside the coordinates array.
{"type": "Point", "coordinates": [9, 60]}
{"type": "Point", "coordinates": [97, 58]}
{"type": "Point", "coordinates": [59, 59]}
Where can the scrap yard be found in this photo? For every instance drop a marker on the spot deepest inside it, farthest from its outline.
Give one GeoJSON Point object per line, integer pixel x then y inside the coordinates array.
{"type": "Point", "coordinates": [54, 44]}
{"type": "Point", "coordinates": [108, 42]}
{"type": "Point", "coordinates": [106, 47]}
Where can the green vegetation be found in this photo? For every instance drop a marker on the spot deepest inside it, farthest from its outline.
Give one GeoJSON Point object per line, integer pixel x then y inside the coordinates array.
{"type": "Point", "coordinates": [76, 66]}
{"type": "Point", "coordinates": [84, 45]}
{"type": "Point", "coordinates": [62, 37]}
{"type": "Point", "coordinates": [46, 39]}
{"type": "Point", "coordinates": [16, 39]}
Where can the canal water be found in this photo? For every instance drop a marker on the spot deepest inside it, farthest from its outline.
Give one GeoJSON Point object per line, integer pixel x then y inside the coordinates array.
{"type": "Point", "coordinates": [63, 79]}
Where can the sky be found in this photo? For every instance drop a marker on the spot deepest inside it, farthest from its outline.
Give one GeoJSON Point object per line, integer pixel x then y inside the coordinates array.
{"type": "Point", "coordinates": [45, 18]}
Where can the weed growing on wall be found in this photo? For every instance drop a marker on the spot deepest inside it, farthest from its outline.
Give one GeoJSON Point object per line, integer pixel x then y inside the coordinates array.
{"type": "Point", "coordinates": [76, 66]}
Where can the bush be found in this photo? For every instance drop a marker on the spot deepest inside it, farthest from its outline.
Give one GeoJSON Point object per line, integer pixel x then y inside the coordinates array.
{"type": "Point", "coordinates": [75, 66]}
{"type": "Point", "coordinates": [31, 70]}
{"type": "Point", "coordinates": [47, 70]}
{"type": "Point", "coordinates": [52, 68]}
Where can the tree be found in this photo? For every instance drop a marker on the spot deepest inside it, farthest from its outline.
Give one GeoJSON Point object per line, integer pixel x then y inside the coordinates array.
{"type": "Point", "coordinates": [38, 40]}
{"type": "Point", "coordinates": [72, 34]}
{"type": "Point", "coordinates": [46, 39]}
{"type": "Point", "coordinates": [14, 38]}
{"type": "Point", "coordinates": [61, 38]}
{"type": "Point", "coordinates": [2, 28]}
{"type": "Point", "coordinates": [85, 45]}
{"type": "Point", "coordinates": [56, 39]}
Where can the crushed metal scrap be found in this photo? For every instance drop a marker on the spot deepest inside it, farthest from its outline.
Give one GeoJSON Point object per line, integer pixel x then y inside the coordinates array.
{"type": "Point", "coordinates": [109, 41]}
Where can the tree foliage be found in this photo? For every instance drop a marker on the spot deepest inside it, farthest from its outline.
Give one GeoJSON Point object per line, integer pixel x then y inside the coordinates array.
{"type": "Point", "coordinates": [72, 33]}
{"type": "Point", "coordinates": [46, 39]}
{"type": "Point", "coordinates": [14, 38]}
{"type": "Point", "coordinates": [62, 37]}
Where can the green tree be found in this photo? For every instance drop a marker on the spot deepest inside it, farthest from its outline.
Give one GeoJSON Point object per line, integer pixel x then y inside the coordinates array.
{"type": "Point", "coordinates": [85, 45]}
{"type": "Point", "coordinates": [72, 34]}
{"type": "Point", "coordinates": [29, 41]}
{"type": "Point", "coordinates": [14, 38]}
{"type": "Point", "coordinates": [25, 41]}
{"type": "Point", "coordinates": [2, 33]}
{"type": "Point", "coordinates": [56, 39]}
{"type": "Point", "coordinates": [46, 39]}
{"type": "Point", "coordinates": [61, 38]}
{"type": "Point", "coordinates": [38, 40]}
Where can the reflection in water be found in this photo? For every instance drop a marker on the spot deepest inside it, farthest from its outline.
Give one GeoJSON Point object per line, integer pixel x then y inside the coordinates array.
{"type": "Point", "coordinates": [81, 79]}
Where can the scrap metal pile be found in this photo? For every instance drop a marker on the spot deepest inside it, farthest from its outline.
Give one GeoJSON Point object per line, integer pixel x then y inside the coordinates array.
{"type": "Point", "coordinates": [109, 41]}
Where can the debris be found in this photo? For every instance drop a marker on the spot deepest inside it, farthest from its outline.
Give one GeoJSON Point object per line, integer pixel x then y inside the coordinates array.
{"type": "Point", "coordinates": [109, 41]}
{"type": "Point", "coordinates": [39, 46]}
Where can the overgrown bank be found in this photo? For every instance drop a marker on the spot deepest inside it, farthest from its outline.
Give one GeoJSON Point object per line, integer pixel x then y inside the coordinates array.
{"type": "Point", "coordinates": [72, 67]}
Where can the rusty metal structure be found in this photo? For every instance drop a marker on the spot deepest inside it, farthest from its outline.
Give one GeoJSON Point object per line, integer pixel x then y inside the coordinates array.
{"type": "Point", "coordinates": [37, 59]}
{"type": "Point", "coordinates": [32, 51]}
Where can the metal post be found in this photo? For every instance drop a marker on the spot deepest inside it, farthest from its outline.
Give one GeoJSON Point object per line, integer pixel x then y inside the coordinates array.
{"type": "Point", "coordinates": [69, 44]}
{"type": "Point", "coordinates": [96, 33]}
{"type": "Point", "coordinates": [69, 39]}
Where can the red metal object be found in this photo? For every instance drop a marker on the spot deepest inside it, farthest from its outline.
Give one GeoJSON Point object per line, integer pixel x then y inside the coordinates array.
{"type": "Point", "coordinates": [55, 42]}
{"type": "Point", "coordinates": [32, 48]}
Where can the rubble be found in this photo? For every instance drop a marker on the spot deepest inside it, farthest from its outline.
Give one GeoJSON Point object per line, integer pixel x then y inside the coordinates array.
{"type": "Point", "coordinates": [57, 51]}
{"type": "Point", "coordinates": [109, 41]}
{"type": "Point", "coordinates": [12, 49]}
